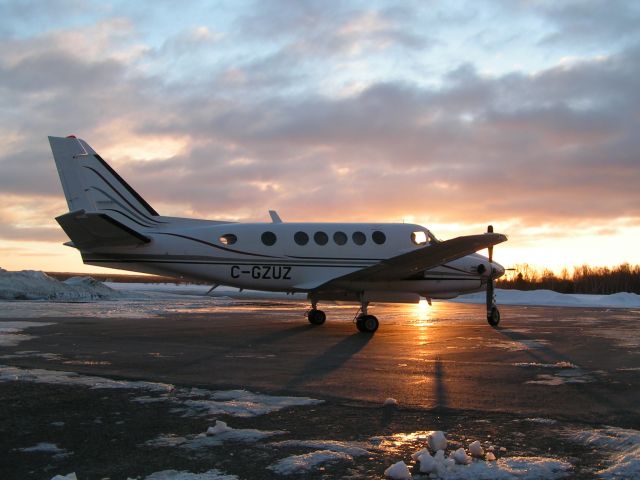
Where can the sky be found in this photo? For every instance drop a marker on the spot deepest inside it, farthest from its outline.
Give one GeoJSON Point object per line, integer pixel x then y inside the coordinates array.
{"type": "Point", "coordinates": [450, 114]}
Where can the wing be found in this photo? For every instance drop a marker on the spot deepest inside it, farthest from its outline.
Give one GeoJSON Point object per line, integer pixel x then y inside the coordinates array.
{"type": "Point", "coordinates": [91, 230]}
{"type": "Point", "coordinates": [407, 264]}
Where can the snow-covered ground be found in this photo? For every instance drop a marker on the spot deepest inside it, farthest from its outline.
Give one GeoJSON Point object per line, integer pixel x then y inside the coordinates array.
{"type": "Point", "coordinates": [554, 299]}
{"type": "Point", "coordinates": [34, 285]}
{"type": "Point", "coordinates": [188, 401]}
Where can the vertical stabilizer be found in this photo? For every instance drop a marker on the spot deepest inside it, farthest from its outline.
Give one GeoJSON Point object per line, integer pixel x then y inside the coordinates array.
{"type": "Point", "coordinates": [90, 184]}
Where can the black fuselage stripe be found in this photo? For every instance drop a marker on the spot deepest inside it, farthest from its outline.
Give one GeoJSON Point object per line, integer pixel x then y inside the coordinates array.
{"type": "Point", "coordinates": [215, 246]}
{"type": "Point", "coordinates": [182, 262]}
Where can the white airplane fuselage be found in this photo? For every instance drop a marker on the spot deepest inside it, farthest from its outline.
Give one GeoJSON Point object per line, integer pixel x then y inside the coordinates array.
{"type": "Point", "coordinates": [193, 249]}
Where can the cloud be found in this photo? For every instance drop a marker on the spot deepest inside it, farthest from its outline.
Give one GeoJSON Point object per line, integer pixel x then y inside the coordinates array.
{"type": "Point", "coordinates": [250, 131]}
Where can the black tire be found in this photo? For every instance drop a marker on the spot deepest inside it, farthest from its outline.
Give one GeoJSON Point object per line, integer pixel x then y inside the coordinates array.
{"type": "Point", "coordinates": [493, 317]}
{"type": "Point", "coordinates": [367, 323]}
{"type": "Point", "coordinates": [316, 317]}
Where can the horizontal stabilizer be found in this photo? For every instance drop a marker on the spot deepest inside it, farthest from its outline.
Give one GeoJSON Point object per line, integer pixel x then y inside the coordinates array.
{"type": "Point", "coordinates": [416, 261]}
{"type": "Point", "coordinates": [92, 230]}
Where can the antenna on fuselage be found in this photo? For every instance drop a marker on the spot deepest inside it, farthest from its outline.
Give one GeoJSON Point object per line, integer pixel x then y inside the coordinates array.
{"type": "Point", "coordinates": [275, 218]}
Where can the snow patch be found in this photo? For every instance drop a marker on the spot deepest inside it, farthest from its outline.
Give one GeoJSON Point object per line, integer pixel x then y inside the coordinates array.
{"type": "Point", "coordinates": [543, 421]}
{"type": "Point", "coordinates": [223, 434]}
{"type": "Point", "coordinates": [11, 332]}
{"type": "Point", "coordinates": [297, 464]}
{"type": "Point", "coordinates": [437, 440]}
{"type": "Point", "coordinates": [36, 285]}
{"type": "Point", "coordinates": [238, 403]}
{"type": "Point", "coordinates": [68, 476]}
{"type": "Point", "coordinates": [563, 377]}
{"type": "Point", "coordinates": [43, 447]}
{"type": "Point", "coordinates": [545, 365]}
{"type": "Point", "coordinates": [181, 475]}
{"type": "Point", "coordinates": [350, 448]}
{"type": "Point", "coordinates": [191, 402]}
{"type": "Point", "coordinates": [398, 471]}
{"type": "Point", "coordinates": [8, 374]}
{"type": "Point", "coordinates": [623, 446]}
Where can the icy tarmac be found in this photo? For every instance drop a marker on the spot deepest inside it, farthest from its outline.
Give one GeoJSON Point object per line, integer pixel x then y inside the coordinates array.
{"type": "Point", "coordinates": [139, 386]}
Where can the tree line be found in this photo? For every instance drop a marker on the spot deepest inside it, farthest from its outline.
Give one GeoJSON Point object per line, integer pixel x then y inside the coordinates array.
{"type": "Point", "coordinates": [583, 279]}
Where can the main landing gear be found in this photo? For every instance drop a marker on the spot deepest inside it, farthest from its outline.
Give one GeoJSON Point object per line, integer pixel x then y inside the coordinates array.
{"type": "Point", "coordinates": [365, 323]}
{"type": "Point", "coordinates": [316, 317]}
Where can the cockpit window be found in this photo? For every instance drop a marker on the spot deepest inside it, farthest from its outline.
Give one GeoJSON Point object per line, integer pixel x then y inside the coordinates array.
{"type": "Point", "coordinates": [419, 238]}
{"type": "Point", "coordinates": [228, 239]}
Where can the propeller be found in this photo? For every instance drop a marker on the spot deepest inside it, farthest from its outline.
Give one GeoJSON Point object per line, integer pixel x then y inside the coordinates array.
{"type": "Point", "coordinates": [493, 315]}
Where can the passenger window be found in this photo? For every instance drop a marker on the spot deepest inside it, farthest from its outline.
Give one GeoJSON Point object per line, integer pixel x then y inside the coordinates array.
{"type": "Point", "coordinates": [321, 238]}
{"type": "Point", "coordinates": [269, 238]}
{"type": "Point", "coordinates": [301, 238]}
{"type": "Point", "coordinates": [379, 237]}
{"type": "Point", "coordinates": [419, 238]}
{"type": "Point", "coordinates": [228, 239]}
{"type": "Point", "coordinates": [340, 238]}
{"type": "Point", "coordinates": [359, 238]}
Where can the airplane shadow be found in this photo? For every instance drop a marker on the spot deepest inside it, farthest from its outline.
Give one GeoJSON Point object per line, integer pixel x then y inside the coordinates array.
{"type": "Point", "coordinates": [441, 397]}
{"type": "Point", "coordinates": [330, 360]}
{"type": "Point", "coordinates": [544, 354]}
{"type": "Point", "coordinates": [540, 352]}
{"type": "Point", "coordinates": [279, 335]}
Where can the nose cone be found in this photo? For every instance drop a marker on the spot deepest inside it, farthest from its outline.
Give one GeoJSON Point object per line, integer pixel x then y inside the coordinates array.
{"type": "Point", "coordinates": [498, 270]}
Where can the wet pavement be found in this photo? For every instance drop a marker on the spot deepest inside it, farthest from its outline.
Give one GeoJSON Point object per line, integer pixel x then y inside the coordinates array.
{"type": "Point", "coordinates": [566, 368]}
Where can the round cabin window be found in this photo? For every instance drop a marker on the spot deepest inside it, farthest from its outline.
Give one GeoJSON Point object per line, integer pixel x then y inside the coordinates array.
{"type": "Point", "coordinates": [340, 238]}
{"type": "Point", "coordinates": [359, 238]}
{"type": "Point", "coordinates": [228, 239]}
{"type": "Point", "coordinates": [321, 238]}
{"type": "Point", "coordinates": [269, 238]}
{"type": "Point", "coordinates": [301, 238]}
{"type": "Point", "coordinates": [378, 237]}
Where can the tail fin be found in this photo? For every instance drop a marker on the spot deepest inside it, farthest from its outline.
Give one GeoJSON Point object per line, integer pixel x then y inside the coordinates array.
{"type": "Point", "coordinates": [90, 184]}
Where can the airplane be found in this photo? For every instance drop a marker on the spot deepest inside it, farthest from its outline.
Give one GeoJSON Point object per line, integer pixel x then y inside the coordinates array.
{"type": "Point", "coordinates": [113, 226]}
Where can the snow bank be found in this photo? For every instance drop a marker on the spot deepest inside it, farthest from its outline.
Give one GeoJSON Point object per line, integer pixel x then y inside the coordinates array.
{"type": "Point", "coordinates": [297, 464]}
{"type": "Point", "coordinates": [36, 285]}
{"type": "Point", "coordinates": [624, 448]}
{"type": "Point", "coordinates": [181, 475]}
{"type": "Point", "coordinates": [554, 299]}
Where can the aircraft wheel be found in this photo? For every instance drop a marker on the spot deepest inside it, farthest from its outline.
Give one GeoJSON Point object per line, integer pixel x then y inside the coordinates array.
{"type": "Point", "coordinates": [316, 317]}
{"type": "Point", "coordinates": [493, 317]}
{"type": "Point", "coordinates": [367, 323]}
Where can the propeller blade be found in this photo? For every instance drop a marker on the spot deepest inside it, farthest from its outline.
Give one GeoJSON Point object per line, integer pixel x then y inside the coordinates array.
{"type": "Point", "coordinates": [490, 230]}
